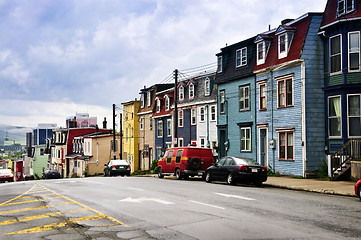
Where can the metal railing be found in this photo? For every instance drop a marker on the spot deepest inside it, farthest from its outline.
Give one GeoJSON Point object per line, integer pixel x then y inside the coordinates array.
{"type": "Point", "coordinates": [351, 150]}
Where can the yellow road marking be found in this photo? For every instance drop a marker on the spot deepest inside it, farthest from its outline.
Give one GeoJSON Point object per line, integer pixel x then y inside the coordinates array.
{"type": "Point", "coordinates": [34, 208]}
{"type": "Point", "coordinates": [25, 219]}
{"type": "Point", "coordinates": [14, 203]}
{"type": "Point", "coordinates": [40, 229]}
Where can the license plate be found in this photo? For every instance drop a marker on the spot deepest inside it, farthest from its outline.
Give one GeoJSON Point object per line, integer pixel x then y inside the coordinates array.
{"type": "Point", "coordinates": [254, 170]}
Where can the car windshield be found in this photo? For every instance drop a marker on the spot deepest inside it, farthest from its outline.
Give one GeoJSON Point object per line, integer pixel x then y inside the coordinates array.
{"type": "Point", "coordinates": [245, 161]}
{"type": "Point", "coordinates": [119, 162]}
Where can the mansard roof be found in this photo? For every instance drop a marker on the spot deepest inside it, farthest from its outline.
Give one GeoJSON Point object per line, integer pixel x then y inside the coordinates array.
{"type": "Point", "coordinates": [330, 14]}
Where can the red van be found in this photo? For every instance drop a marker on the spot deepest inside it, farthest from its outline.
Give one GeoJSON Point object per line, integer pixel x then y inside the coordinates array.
{"type": "Point", "coordinates": [183, 162]}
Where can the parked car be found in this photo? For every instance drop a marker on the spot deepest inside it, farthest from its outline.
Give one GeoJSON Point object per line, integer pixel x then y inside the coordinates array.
{"type": "Point", "coordinates": [183, 162]}
{"type": "Point", "coordinates": [51, 174]}
{"type": "Point", "coordinates": [6, 175]}
{"type": "Point", "coordinates": [237, 169]}
{"type": "Point", "coordinates": [358, 189]}
{"type": "Point", "coordinates": [117, 167]}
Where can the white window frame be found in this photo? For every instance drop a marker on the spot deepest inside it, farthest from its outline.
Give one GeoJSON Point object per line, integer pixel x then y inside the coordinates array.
{"type": "Point", "coordinates": [348, 115]}
{"type": "Point", "coordinates": [344, 9]}
{"type": "Point", "coordinates": [213, 113]}
{"type": "Point", "coordinates": [241, 57]}
{"type": "Point", "coordinates": [148, 98]}
{"type": "Point", "coordinates": [286, 145]}
{"type": "Point", "coordinates": [160, 128]}
{"type": "Point", "coordinates": [340, 53]}
{"type": "Point", "coordinates": [158, 107]}
{"type": "Point", "coordinates": [191, 90]}
{"type": "Point", "coordinates": [193, 116]}
{"type": "Point", "coordinates": [142, 100]}
{"type": "Point", "coordinates": [350, 51]}
{"type": "Point", "coordinates": [285, 97]}
{"type": "Point", "coordinates": [263, 51]}
{"type": "Point", "coordinates": [219, 64]}
{"type": "Point", "coordinates": [141, 123]}
{"type": "Point", "coordinates": [207, 87]}
{"type": "Point", "coordinates": [180, 142]}
{"type": "Point", "coordinates": [243, 90]}
{"type": "Point", "coordinates": [202, 115]}
{"type": "Point", "coordinates": [328, 116]}
{"type": "Point", "coordinates": [262, 95]}
{"type": "Point", "coordinates": [283, 54]}
{"type": "Point", "coordinates": [245, 147]}
{"type": "Point", "coordinates": [180, 118]}
{"type": "Point", "coordinates": [167, 103]}
{"type": "Point", "coordinates": [222, 101]}
{"type": "Point", "coordinates": [169, 127]}
{"type": "Point", "coordinates": [202, 142]}
{"type": "Point", "coordinates": [181, 93]}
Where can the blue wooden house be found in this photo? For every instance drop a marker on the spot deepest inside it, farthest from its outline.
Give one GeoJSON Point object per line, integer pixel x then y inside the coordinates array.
{"type": "Point", "coordinates": [236, 100]}
{"type": "Point", "coordinates": [340, 31]}
{"type": "Point", "coordinates": [289, 97]}
{"type": "Point", "coordinates": [197, 111]}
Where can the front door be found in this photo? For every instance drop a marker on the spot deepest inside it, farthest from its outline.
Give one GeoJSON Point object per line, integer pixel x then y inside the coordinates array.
{"type": "Point", "coordinates": [150, 155]}
{"type": "Point", "coordinates": [263, 147]}
{"type": "Point", "coordinates": [221, 146]}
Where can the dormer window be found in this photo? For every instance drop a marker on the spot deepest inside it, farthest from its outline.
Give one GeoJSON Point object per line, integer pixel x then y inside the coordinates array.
{"type": "Point", "coordinates": [181, 93]}
{"type": "Point", "coordinates": [261, 53]}
{"type": "Point", "coordinates": [142, 100]}
{"type": "Point", "coordinates": [219, 64]}
{"type": "Point", "coordinates": [148, 98]}
{"type": "Point", "coordinates": [207, 87]}
{"type": "Point", "coordinates": [191, 90]}
{"type": "Point", "coordinates": [345, 7]}
{"type": "Point", "coordinates": [285, 36]}
{"type": "Point", "coordinates": [241, 57]}
{"type": "Point", "coordinates": [167, 103]}
{"type": "Point", "coordinates": [157, 105]}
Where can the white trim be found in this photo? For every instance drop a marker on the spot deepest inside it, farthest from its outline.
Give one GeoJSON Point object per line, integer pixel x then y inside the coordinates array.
{"type": "Point", "coordinates": [340, 21]}
{"type": "Point", "coordinates": [329, 55]}
{"type": "Point", "coordinates": [328, 116]}
{"type": "Point", "coordinates": [348, 117]}
{"type": "Point", "coordinates": [348, 51]}
{"type": "Point", "coordinates": [240, 51]}
{"type": "Point", "coordinates": [250, 138]}
{"type": "Point", "coordinates": [303, 112]}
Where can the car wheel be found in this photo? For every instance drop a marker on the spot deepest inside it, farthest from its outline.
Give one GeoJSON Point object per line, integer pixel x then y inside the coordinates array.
{"type": "Point", "coordinates": [230, 179]}
{"type": "Point", "coordinates": [109, 174]}
{"type": "Point", "coordinates": [105, 174]}
{"type": "Point", "coordinates": [186, 176]}
{"type": "Point", "coordinates": [208, 177]}
{"type": "Point", "coordinates": [178, 174]}
{"type": "Point", "coordinates": [160, 173]}
{"type": "Point", "coordinates": [258, 183]}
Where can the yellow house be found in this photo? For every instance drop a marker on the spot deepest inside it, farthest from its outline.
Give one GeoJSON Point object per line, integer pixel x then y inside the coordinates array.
{"type": "Point", "coordinates": [131, 134]}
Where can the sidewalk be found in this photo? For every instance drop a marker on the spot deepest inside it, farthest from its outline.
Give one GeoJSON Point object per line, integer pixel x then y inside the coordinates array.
{"type": "Point", "coordinates": [343, 188]}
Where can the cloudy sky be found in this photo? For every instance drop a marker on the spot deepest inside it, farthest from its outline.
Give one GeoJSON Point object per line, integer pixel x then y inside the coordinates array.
{"type": "Point", "coordinates": [60, 57]}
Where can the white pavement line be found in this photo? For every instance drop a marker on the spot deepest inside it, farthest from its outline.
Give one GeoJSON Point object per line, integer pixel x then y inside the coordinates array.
{"type": "Point", "coordinates": [205, 204]}
{"type": "Point", "coordinates": [235, 196]}
{"type": "Point", "coordinates": [143, 199]}
{"type": "Point", "coordinates": [138, 189]}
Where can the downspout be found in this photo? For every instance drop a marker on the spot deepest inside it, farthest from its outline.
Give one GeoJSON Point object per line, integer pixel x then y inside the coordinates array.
{"type": "Point", "coordinates": [208, 143]}
{"type": "Point", "coordinates": [303, 96]}
{"type": "Point", "coordinates": [272, 99]}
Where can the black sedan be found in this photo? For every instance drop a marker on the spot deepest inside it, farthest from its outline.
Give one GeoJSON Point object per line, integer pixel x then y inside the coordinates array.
{"type": "Point", "coordinates": [237, 169]}
{"type": "Point", "coordinates": [51, 174]}
{"type": "Point", "coordinates": [117, 167]}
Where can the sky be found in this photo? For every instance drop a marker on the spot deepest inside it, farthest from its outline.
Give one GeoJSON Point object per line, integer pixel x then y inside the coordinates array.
{"type": "Point", "coordinates": [62, 57]}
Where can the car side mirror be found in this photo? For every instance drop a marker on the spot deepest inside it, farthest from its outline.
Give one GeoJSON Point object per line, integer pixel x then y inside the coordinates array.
{"type": "Point", "coordinates": [105, 165]}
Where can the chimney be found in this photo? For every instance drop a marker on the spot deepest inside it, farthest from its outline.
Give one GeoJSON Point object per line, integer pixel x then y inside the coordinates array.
{"type": "Point", "coordinates": [105, 123]}
{"type": "Point", "coordinates": [285, 21]}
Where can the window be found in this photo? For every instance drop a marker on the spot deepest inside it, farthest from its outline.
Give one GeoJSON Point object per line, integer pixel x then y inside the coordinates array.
{"type": "Point", "coordinates": [284, 42]}
{"type": "Point", "coordinates": [246, 139]}
{"type": "Point", "coordinates": [169, 127]}
{"type": "Point", "coordinates": [148, 98]}
{"type": "Point", "coordinates": [180, 118]}
{"type": "Point", "coordinates": [178, 157]}
{"type": "Point", "coordinates": [335, 54]}
{"type": "Point", "coordinates": [261, 53]}
{"type": "Point", "coordinates": [181, 93]}
{"type": "Point", "coordinates": [222, 101]}
{"type": "Point", "coordinates": [180, 142]}
{"type": "Point", "coordinates": [241, 57]}
{"type": "Point", "coordinates": [213, 113]}
{"type": "Point", "coordinates": [219, 64]}
{"type": "Point", "coordinates": [354, 115]}
{"type": "Point", "coordinates": [354, 51]}
{"type": "Point", "coordinates": [150, 122]}
{"type": "Point", "coordinates": [191, 90]}
{"type": "Point", "coordinates": [158, 105]}
{"type": "Point", "coordinates": [285, 93]}
{"type": "Point", "coordinates": [262, 97]}
{"type": "Point", "coordinates": [58, 154]}
{"type": "Point", "coordinates": [244, 98]}
{"type": "Point", "coordinates": [334, 116]}
{"type": "Point", "coordinates": [193, 116]}
{"type": "Point", "coordinates": [169, 156]}
{"type": "Point", "coordinates": [202, 142]}
{"type": "Point", "coordinates": [167, 103]}
{"type": "Point", "coordinates": [142, 100]}
{"type": "Point", "coordinates": [207, 87]}
{"type": "Point", "coordinates": [160, 129]}
{"type": "Point", "coordinates": [345, 7]}
{"type": "Point", "coordinates": [141, 123]}
{"type": "Point", "coordinates": [286, 146]}
{"type": "Point", "coordinates": [202, 114]}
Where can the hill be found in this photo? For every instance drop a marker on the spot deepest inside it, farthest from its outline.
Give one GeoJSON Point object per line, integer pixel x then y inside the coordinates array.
{"type": "Point", "coordinates": [14, 133]}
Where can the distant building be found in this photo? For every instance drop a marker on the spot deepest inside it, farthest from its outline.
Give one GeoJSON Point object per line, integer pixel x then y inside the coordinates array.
{"type": "Point", "coordinates": [81, 120]}
{"type": "Point", "coordinates": [42, 132]}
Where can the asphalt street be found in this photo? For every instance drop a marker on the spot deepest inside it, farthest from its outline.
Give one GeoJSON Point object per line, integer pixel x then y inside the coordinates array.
{"type": "Point", "coordinates": [152, 208]}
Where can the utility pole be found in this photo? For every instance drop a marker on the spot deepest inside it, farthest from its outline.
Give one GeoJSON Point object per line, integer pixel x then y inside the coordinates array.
{"type": "Point", "coordinates": [121, 137]}
{"type": "Point", "coordinates": [114, 145]}
{"type": "Point", "coordinates": [175, 108]}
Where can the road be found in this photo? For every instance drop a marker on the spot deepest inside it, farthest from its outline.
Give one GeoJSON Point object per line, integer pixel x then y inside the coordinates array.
{"type": "Point", "coordinates": [152, 208]}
